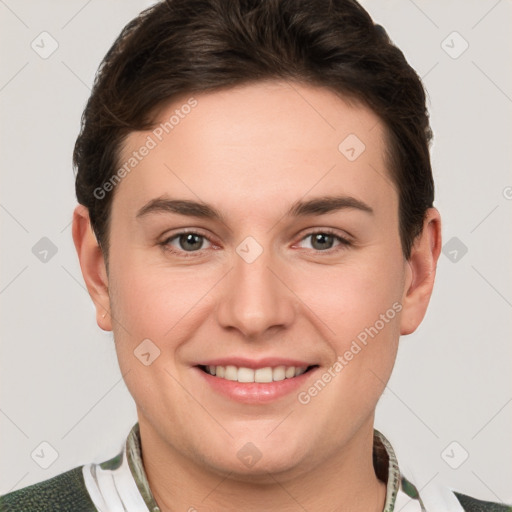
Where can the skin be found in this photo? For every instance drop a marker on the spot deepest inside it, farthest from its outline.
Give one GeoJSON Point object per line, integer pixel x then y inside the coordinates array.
{"type": "Point", "coordinates": [251, 152]}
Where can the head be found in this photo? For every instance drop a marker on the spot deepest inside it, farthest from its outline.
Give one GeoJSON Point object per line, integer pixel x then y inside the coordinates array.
{"type": "Point", "coordinates": [254, 183]}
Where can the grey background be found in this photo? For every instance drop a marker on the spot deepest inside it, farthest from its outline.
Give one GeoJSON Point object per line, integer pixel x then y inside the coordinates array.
{"type": "Point", "coordinates": [60, 382]}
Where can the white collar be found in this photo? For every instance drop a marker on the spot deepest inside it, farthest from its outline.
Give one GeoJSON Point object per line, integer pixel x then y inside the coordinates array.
{"type": "Point", "coordinates": [120, 484]}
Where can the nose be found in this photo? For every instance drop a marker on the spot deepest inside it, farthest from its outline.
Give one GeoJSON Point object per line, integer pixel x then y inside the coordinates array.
{"type": "Point", "coordinates": [255, 297]}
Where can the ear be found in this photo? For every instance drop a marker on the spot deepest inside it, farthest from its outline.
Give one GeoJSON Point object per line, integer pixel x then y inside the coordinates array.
{"type": "Point", "coordinates": [421, 272]}
{"type": "Point", "coordinates": [92, 264]}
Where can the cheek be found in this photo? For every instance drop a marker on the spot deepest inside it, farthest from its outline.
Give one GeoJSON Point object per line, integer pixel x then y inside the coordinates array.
{"type": "Point", "coordinates": [165, 306]}
{"type": "Point", "coordinates": [153, 311]}
{"type": "Point", "coordinates": [360, 306]}
{"type": "Point", "coordinates": [350, 298]}
{"type": "Point", "coordinates": [361, 309]}
{"type": "Point", "coordinates": [154, 300]}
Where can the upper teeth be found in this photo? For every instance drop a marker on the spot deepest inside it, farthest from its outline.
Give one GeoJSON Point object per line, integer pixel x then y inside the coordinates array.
{"type": "Point", "coordinates": [267, 374]}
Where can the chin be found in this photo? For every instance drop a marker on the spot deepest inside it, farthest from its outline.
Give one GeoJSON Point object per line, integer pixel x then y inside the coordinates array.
{"type": "Point", "coordinates": [252, 462]}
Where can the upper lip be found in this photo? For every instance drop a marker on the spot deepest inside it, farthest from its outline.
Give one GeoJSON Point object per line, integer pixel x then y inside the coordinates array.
{"type": "Point", "coordinates": [255, 363]}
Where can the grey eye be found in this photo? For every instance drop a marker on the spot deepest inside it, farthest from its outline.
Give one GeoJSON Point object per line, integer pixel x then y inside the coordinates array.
{"type": "Point", "coordinates": [322, 241]}
{"type": "Point", "coordinates": [188, 242]}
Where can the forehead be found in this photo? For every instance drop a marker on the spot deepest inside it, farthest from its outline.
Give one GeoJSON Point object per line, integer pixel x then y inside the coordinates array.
{"type": "Point", "coordinates": [256, 145]}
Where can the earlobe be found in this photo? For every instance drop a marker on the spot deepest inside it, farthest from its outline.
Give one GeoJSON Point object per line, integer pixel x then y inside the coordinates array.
{"type": "Point", "coordinates": [92, 263]}
{"type": "Point", "coordinates": [421, 272]}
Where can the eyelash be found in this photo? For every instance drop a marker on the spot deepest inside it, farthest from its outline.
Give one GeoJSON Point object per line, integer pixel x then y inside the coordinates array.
{"type": "Point", "coordinates": [344, 243]}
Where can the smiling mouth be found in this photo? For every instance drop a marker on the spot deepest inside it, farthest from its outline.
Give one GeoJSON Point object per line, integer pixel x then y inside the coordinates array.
{"type": "Point", "coordinates": [259, 375]}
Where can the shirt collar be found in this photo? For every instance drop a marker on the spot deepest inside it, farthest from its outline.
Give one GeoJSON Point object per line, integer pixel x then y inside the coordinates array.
{"type": "Point", "coordinates": [384, 461]}
{"type": "Point", "coordinates": [121, 483]}
{"type": "Point", "coordinates": [134, 456]}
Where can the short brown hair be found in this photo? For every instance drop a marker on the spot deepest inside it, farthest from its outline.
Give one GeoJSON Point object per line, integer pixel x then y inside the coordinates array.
{"type": "Point", "coordinates": [178, 47]}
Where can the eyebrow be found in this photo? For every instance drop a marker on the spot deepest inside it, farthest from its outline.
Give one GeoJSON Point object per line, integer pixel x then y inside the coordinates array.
{"type": "Point", "coordinates": [312, 207]}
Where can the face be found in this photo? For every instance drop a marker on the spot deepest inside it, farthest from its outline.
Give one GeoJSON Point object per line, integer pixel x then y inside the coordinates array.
{"type": "Point", "coordinates": [291, 261]}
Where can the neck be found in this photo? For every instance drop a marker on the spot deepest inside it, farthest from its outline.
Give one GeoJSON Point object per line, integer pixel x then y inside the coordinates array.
{"type": "Point", "coordinates": [346, 481]}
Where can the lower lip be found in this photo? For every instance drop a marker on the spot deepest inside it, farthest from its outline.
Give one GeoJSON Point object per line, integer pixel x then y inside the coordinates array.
{"type": "Point", "coordinates": [255, 392]}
